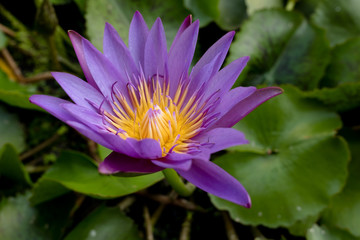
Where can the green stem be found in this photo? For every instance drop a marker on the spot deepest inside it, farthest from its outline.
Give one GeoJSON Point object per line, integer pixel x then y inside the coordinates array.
{"type": "Point", "coordinates": [176, 182]}
{"type": "Point", "coordinates": [290, 5]}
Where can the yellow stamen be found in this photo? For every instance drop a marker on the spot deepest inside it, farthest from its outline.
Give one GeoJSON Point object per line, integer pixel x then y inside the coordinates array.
{"type": "Point", "coordinates": [151, 113]}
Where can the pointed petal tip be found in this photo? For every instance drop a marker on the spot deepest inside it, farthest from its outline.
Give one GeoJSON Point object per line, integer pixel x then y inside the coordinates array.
{"type": "Point", "coordinates": [230, 35]}
{"type": "Point", "coordinates": [248, 204]}
{"type": "Point", "coordinates": [32, 99]}
{"type": "Point", "coordinates": [188, 20]}
{"type": "Point", "coordinates": [104, 168]}
{"type": "Point", "coordinates": [137, 17]}
{"type": "Point", "coordinates": [158, 21]}
{"type": "Point", "coordinates": [246, 58]}
{"type": "Point", "coordinates": [72, 33]}
{"type": "Point", "coordinates": [37, 99]}
{"type": "Point", "coordinates": [276, 90]}
{"type": "Point", "coordinates": [107, 25]}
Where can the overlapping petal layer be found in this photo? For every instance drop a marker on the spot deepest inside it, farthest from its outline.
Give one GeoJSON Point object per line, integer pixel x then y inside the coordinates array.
{"type": "Point", "coordinates": [140, 102]}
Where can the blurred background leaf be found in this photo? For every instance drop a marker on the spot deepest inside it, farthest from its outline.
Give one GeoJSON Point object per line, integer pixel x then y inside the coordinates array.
{"type": "Point", "coordinates": [105, 223]}
{"type": "Point", "coordinates": [339, 18]}
{"type": "Point", "coordinates": [283, 48]}
{"type": "Point", "coordinates": [119, 13]}
{"type": "Point", "coordinates": [11, 130]}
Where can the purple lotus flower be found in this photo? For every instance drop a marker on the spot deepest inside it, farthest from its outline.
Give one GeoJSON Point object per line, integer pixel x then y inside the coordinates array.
{"type": "Point", "coordinates": [140, 102]}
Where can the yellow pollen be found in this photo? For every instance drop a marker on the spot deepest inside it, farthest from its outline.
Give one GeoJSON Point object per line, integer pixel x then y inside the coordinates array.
{"type": "Point", "coordinates": [149, 112]}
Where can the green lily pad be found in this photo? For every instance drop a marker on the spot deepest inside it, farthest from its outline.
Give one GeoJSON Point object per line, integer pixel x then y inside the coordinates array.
{"type": "Point", "coordinates": [228, 14]}
{"type": "Point", "coordinates": [339, 18]}
{"type": "Point", "coordinates": [103, 151]}
{"type": "Point", "coordinates": [231, 13]}
{"type": "Point", "coordinates": [306, 7]}
{"type": "Point", "coordinates": [46, 190]}
{"type": "Point", "coordinates": [344, 97]}
{"type": "Point", "coordinates": [120, 12]}
{"type": "Point", "coordinates": [11, 167]}
{"type": "Point", "coordinates": [341, 83]}
{"type": "Point", "coordinates": [256, 5]}
{"type": "Point", "coordinates": [286, 167]}
{"type": "Point", "coordinates": [344, 210]}
{"type": "Point", "coordinates": [344, 64]}
{"type": "Point", "coordinates": [15, 94]}
{"type": "Point", "coordinates": [20, 221]}
{"type": "Point", "coordinates": [105, 223]}
{"type": "Point", "coordinates": [300, 228]}
{"type": "Point", "coordinates": [205, 11]}
{"type": "Point", "coordinates": [79, 173]}
{"type": "Point", "coordinates": [11, 130]}
{"type": "Point", "coordinates": [283, 48]}
{"type": "Point", "coordinates": [325, 233]}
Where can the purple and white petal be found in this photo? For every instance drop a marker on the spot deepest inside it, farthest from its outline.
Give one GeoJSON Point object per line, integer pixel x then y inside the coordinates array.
{"type": "Point", "coordinates": [211, 178]}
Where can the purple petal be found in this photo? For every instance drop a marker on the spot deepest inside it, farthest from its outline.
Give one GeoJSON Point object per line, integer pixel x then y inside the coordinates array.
{"type": "Point", "coordinates": [116, 51]}
{"type": "Point", "coordinates": [102, 70]}
{"type": "Point", "coordinates": [232, 98]}
{"type": "Point", "coordinates": [173, 156]}
{"type": "Point", "coordinates": [146, 148]}
{"type": "Point", "coordinates": [226, 78]}
{"type": "Point", "coordinates": [53, 105]}
{"type": "Point", "coordinates": [244, 107]}
{"type": "Point", "coordinates": [78, 90]}
{"type": "Point", "coordinates": [202, 76]}
{"type": "Point", "coordinates": [186, 23]}
{"type": "Point", "coordinates": [181, 55]}
{"type": "Point", "coordinates": [123, 146]}
{"type": "Point", "coordinates": [91, 134]}
{"type": "Point", "coordinates": [155, 50]}
{"type": "Point", "coordinates": [86, 116]}
{"type": "Point", "coordinates": [116, 162]}
{"type": "Point", "coordinates": [211, 178]}
{"type": "Point", "coordinates": [76, 40]}
{"type": "Point", "coordinates": [222, 138]}
{"type": "Point", "coordinates": [138, 33]}
{"type": "Point", "coordinates": [177, 165]}
{"type": "Point", "coordinates": [220, 49]}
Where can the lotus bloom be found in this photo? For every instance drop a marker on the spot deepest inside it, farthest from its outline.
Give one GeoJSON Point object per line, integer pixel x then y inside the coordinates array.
{"type": "Point", "coordinates": [141, 102]}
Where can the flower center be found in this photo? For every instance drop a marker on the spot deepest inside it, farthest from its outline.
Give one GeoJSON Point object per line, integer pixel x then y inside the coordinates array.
{"type": "Point", "coordinates": [147, 111]}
